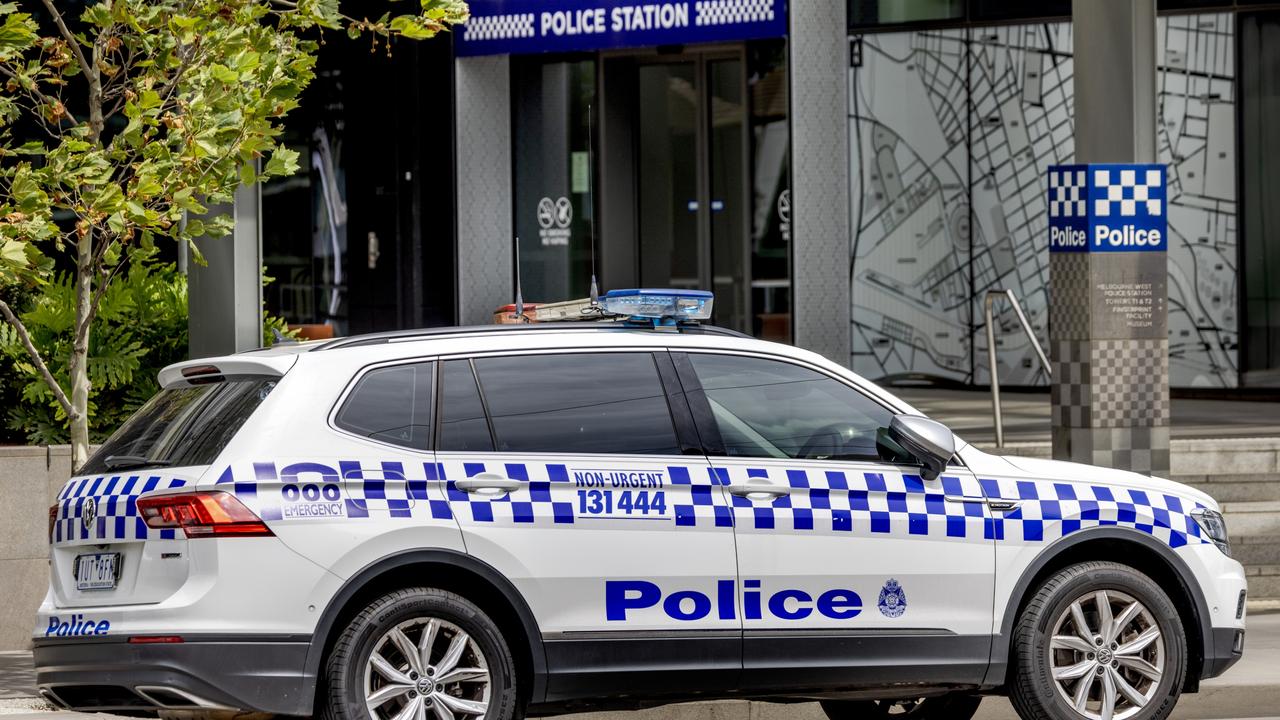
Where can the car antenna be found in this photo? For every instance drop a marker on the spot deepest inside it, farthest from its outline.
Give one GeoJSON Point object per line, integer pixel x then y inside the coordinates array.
{"type": "Point", "coordinates": [591, 207]}
{"type": "Point", "coordinates": [519, 298]}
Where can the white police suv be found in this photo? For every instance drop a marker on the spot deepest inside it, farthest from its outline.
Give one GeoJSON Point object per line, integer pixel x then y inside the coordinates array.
{"type": "Point", "coordinates": [488, 522]}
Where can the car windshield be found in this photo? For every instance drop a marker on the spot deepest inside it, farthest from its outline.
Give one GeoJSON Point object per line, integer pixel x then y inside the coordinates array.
{"type": "Point", "coordinates": [181, 426]}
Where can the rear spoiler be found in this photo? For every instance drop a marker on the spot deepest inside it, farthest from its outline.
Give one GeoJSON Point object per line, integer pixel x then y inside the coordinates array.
{"type": "Point", "coordinates": [213, 370]}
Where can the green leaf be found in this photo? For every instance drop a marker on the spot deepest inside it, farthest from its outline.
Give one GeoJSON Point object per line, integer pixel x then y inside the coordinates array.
{"type": "Point", "coordinates": [284, 161]}
{"type": "Point", "coordinates": [410, 27]}
{"type": "Point", "coordinates": [13, 251]}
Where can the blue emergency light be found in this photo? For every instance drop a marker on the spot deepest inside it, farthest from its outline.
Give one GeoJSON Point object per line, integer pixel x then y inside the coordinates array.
{"type": "Point", "coordinates": [658, 305]}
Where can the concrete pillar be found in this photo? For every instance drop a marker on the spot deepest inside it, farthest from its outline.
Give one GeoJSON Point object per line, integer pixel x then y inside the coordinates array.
{"type": "Point", "coordinates": [1108, 317]}
{"type": "Point", "coordinates": [224, 296]}
{"type": "Point", "coordinates": [820, 247]}
{"type": "Point", "coordinates": [484, 191]}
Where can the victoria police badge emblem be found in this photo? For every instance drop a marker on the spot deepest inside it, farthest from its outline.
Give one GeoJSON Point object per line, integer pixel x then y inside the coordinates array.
{"type": "Point", "coordinates": [893, 601]}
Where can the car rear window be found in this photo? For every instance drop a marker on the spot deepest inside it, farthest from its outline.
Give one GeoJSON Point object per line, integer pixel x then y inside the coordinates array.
{"type": "Point", "coordinates": [580, 403]}
{"type": "Point", "coordinates": [181, 426]}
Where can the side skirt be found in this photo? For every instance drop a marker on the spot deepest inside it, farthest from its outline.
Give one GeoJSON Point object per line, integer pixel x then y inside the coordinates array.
{"type": "Point", "coordinates": [606, 670]}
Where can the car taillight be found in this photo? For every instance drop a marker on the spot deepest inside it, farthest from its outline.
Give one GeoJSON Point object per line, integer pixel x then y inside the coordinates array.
{"type": "Point", "coordinates": [53, 518]}
{"type": "Point", "coordinates": [202, 514]}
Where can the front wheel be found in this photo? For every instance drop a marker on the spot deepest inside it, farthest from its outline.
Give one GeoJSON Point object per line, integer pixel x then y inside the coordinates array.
{"type": "Point", "coordinates": [1100, 641]}
{"type": "Point", "coordinates": [945, 707]}
{"type": "Point", "coordinates": [420, 654]}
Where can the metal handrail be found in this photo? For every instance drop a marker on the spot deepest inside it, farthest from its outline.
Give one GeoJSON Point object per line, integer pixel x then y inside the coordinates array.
{"type": "Point", "coordinates": [991, 353]}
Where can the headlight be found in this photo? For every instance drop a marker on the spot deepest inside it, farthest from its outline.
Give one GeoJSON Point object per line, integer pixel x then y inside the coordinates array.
{"type": "Point", "coordinates": [1214, 527]}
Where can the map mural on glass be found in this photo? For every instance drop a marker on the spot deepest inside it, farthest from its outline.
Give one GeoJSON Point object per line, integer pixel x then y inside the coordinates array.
{"type": "Point", "coordinates": [951, 132]}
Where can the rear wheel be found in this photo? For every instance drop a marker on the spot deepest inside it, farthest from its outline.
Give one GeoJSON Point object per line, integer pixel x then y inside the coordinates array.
{"type": "Point", "coordinates": [945, 707]}
{"type": "Point", "coordinates": [420, 654]}
{"type": "Point", "coordinates": [1100, 641]}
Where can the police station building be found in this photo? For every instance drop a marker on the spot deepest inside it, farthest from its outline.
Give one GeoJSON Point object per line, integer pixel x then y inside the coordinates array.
{"type": "Point", "coordinates": [852, 176]}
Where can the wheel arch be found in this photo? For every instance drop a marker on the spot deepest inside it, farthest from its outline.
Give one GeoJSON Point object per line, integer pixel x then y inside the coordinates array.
{"type": "Point", "coordinates": [447, 570]}
{"type": "Point", "coordinates": [1125, 546]}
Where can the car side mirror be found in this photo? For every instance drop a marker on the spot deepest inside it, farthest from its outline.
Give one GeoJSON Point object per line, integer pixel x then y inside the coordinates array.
{"type": "Point", "coordinates": [929, 442]}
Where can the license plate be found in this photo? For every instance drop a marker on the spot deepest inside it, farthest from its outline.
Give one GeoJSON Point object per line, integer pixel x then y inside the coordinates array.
{"type": "Point", "coordinates": [97, 571]}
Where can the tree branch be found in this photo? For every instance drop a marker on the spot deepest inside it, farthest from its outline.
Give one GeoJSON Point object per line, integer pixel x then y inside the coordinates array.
{"type": "Point", "coordinates": [35, 94]}
{"type": "Point", "coordinates": [49, 380]}
{"type": "Point", "coordinates": [90, 71]}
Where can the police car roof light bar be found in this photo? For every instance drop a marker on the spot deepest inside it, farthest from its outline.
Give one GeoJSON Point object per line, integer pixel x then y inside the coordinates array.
{"type": "Point", "coordinates": [668, 307]}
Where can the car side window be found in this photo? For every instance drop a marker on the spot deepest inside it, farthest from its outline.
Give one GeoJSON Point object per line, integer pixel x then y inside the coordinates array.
{"type": "Point", "coordinates": [391, 404]}
{"type": "Point", "coordinates": [463, 427]}
{"type": "Point", "coordinates": [770, 408]}
{"type": "Point", "coordinates": [578, 403]}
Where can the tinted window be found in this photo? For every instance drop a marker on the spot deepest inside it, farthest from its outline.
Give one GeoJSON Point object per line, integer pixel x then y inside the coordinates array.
{"type": "Point", "coordinates": [181, 426]}
{"type": "Point", "coordinates": [393, 405]}
{"type": "Point", "coordinates": [463, 426]}
{"type": "Point", "coordinates": [587, 403]}
{"type": "Point", "coordinates": [768, 408]}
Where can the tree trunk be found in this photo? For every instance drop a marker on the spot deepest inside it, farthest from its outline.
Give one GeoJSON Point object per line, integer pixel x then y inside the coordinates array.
{"type": "Point", "coordinates": [79, 366]}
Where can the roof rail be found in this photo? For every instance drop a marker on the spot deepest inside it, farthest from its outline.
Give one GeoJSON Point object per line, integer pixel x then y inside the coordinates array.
{"type": "Point", "coordinates": [437, 332]}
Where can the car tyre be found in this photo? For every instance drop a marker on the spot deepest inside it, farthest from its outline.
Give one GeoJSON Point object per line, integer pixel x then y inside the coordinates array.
{"type": "Point", "coordinates": [955, 706]}
{"type": "Point", "coordinates": [425, 646]}
{"type": "Point", "coordinates": [1098, 641]}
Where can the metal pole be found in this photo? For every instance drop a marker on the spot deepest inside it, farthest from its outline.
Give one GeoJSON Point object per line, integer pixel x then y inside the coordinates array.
{"type": "Point", "coordinates": [1026, 327]}
{"type": "Point", "coordinates": [995, 375]}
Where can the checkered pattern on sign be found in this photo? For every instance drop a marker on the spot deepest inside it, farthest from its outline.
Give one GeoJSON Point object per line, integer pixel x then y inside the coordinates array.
{"type": "Point", "coordinates": [1127, 193]}
{"type": "Point", "coordinates": [1048, 510]}
{"type": "Point", "coordinates": [1067, 189]}
{"type": "Point", "coordinates": [499, 27]}
{"type": "Point", "coordinates": [732, 12]}
{"type": "Point", "coordinates": [1127, 387]}
{"type": "Point", "coordinates": [115, 514]}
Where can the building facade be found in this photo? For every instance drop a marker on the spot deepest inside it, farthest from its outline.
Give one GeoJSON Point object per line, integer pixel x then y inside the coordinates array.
{"type": "Point", "coordinates": [853, 177]}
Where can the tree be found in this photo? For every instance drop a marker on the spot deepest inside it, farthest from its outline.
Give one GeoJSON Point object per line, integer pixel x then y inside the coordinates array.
{"type": "Point", "coordinates": [119, 134]}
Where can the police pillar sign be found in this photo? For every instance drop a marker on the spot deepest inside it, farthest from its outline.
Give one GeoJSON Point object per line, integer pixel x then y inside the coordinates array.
{"type": "Point", "coordinates": [1108, 314]}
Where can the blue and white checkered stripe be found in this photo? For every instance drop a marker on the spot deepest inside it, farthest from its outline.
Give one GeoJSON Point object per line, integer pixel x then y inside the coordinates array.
{"type": "Point", "coordinates": [1049, 510]}
{"type": "Point", "coordinates": [860, 503]}
{"type": "Point", "coordinates": [381, 489]}
{"type": "Point", "coordinates": [115, 508]}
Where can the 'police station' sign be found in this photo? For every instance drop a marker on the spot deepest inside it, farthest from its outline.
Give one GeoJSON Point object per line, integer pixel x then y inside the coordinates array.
{"type": "Point", "coordinates": [499, 27]}
{"type": "Point", "coordinates": [1105, 207]}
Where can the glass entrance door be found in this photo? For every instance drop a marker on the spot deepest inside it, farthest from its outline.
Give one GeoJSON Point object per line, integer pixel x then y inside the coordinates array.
{"type": "Point", "coordinates": [691, 160]}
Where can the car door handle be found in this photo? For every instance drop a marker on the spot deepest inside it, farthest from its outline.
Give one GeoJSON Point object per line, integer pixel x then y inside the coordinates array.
{"type": "Point", "coordinates": [993, 503]}
{"type": "Point", "coordinates": [488, 484]}
{"type": "Point", "coordinates": [758, 492]}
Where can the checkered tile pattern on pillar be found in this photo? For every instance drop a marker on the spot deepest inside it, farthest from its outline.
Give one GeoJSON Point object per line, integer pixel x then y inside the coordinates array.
{"type": "Point", "coordinates": [730, 12]}
{"type": "Point", "coordinates": [1126, 384]}
{"type": "Point", "coordinates": [1069, 294]}
{"type": "Point", "coordinates": [1069, 394]}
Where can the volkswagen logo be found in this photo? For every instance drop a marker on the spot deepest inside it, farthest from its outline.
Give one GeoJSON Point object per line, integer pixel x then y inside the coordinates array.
{"type": "Point", "coordinates": [88, 513]}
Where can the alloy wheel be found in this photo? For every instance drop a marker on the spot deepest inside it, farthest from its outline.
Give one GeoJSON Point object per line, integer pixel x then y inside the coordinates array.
{"type": "Point", "coordinates": [426, 669]}
{"type": "Point", "coordinates": [1106, 655]}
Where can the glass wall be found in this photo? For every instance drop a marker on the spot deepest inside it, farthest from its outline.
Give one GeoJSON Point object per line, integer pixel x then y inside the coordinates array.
{"type": "Point", "coordinates": [952, 132]}
{"type": "Point", "coordinates": [1260, 176]}
{"type": "Point", "coordinates": [553, 174]}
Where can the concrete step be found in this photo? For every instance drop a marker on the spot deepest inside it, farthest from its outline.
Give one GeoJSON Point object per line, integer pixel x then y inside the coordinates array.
{"type": "Point", "coordinates": [1252, 519]}
{"type": "Point", "coordinates": [1255, 549]}
{"type": "Point", "coordinates": [1231, 470]}
{"type": "Point", "coordinates": [1264, 581]}
{"type": "Point", "coordinates": [1234, 488]}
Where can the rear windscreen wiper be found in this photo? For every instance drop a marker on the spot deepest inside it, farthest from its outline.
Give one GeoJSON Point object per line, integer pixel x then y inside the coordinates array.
{"type": "Point", "coordinates": [116, 462]}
